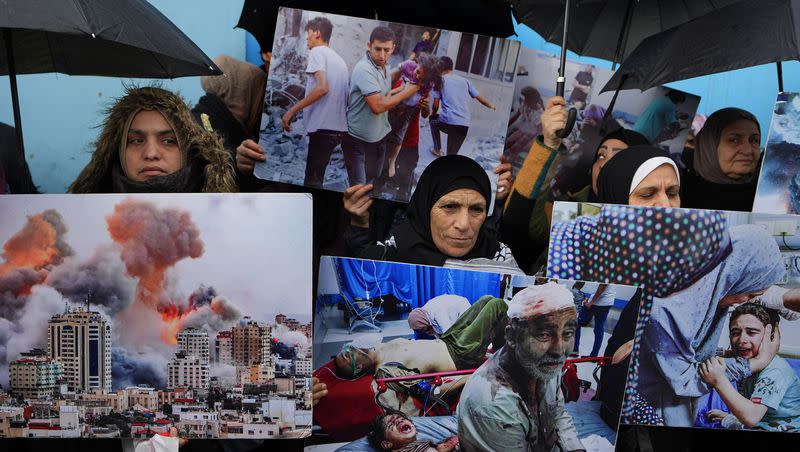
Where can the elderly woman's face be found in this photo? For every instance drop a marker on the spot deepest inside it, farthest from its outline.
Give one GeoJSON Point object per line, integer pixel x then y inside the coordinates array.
{"type": "Point", "coordinates": [659, 189]}
{"type": "Point", "coordinates": [607, 150]}
{"type": "Point", "coordinates": [738, 149]}
{"type": "Point", "coordinates": [151, 148]}
{"type": "Point", "coordinates": [456, 219]}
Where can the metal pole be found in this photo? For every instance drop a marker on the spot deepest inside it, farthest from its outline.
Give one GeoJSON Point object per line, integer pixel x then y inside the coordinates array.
{"type": "Point", "coordinates": [560, 82]}
{"type": "Point", "coordinates": [623, 36]}
{"type": "Point", "coordinates": [780, 76]}
{"type": "Point", "coordinates": [12, 77]}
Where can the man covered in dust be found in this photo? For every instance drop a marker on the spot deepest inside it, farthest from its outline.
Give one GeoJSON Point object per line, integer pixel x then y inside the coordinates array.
{"type": "Point", "coordinates": [514, 401]}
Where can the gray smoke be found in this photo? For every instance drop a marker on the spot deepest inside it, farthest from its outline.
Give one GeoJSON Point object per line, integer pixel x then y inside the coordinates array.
{"type": "Point", "coordinates": [54, 218]}
{"type": "Point", "coordinates": [103, 275]}
{"type": "Point", "coordinates": [14, 287]}
{"type": "Point", "coordinates": [143, 368]}
{"type": "Point", "coordinates": [29, 329]}
{"type": "Point", "coordinates": [216, 316]}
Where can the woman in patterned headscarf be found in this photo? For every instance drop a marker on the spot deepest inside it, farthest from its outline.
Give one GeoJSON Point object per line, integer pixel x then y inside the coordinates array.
{"type": "Point", "coordinates": [680, 257]}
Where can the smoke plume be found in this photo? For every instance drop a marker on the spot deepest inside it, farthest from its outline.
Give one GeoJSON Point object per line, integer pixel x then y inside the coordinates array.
{"type": "Point", "coordinates": [147, 367]}
{"type": "Point", "coordinates": [152, 240]}
{"type": "Point", "coordinates": [29, 328]}
{"type": "Point", "coordinates": [39, 244]}
{"type": "Point", "coordinates": [103, 276]}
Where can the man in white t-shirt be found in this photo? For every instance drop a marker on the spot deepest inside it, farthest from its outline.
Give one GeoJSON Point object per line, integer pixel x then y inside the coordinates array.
{"type": "Point", "coordinates": [325, 103]}
{"type": "Point", "coordinates": [438, 314]}
{"type": "Point", "coordinates": [596, 307]}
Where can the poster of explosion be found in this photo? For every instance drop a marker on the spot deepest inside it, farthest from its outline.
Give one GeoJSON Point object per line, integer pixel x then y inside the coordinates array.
{"type": "Point", "coordinates": [779, 183]}
{"type": "Point", "coordinates": [429, 358]}
{"type": "Point", "coordinates": [352, 129]}
{"type": "Point", "coordinates": [662, 115]}
{"type": "Point", "coordinates": [125, 315]}
{"type": "Point", "coordinates": [717, 345]}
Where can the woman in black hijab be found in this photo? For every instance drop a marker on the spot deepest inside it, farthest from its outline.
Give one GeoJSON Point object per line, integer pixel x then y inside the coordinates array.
{"type": "Point", "coordinates": [445, 221]}
{"type": "Point", "coordinates": [640, 176]}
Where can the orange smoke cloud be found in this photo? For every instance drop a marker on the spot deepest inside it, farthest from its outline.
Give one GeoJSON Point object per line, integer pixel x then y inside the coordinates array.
{"type": "Point", "coordinates": [36, 245]}
{"type": "Point", "coordinates": [152, 240]}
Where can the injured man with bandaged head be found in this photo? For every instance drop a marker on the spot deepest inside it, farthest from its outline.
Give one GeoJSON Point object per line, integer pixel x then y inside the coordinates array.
{"type": "Point", "coordinates": [513, 401]}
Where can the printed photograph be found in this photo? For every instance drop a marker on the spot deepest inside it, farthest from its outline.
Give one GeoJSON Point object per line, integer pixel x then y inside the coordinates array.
{"type": "Point", "coordinates": [354, 101]}
{"type": "Point", "coordinates": [718, 340]}
{"type": "Point", "coordinates": [127, 315]}
{"type": "Point", "coordinates": [661, 115]}
{"type": "Point", "coordinates": [418, 358]}
{"type": "Point", "coordinates": [779, 185]}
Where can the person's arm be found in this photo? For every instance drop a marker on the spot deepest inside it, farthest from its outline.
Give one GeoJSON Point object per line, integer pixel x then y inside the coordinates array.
{"type": "Point", "coordinates": [791, 300]}
{"type": "Point", "coordinates": [318, 391]}
{"type": "Point", "coordinates": [505, 179]}
{"type": "Point", "coordinates": [785, 301]}
{"type": "Point", "coordinates": [567, 434]}
{"type": "Point", "coordinates": [600, 289]}
{"type": "Point", "coordinates": [319, 91]}
{"type": "Point", "coordinates": [748, 412]}
{"type": "Point", "coordinates": [395, 74]}
{"type": "Point", "coordinates": [528, 197]}
{"type": "Point", "coordinates": [485, 102]}
{"type": "Point", "coordinates": [379, 103]}
{"type": "Point", "coordinates": [474, 94]}
{"type": "Point", "coordinates": [486, 430]}
{"type": "Point", "coordinates": [676, 359]}
{"type": "Point", "coordinates": [424, 107]}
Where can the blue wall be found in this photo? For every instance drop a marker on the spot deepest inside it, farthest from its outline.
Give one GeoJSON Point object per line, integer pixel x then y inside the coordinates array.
{"type": "Point", "coordinates": [60, 113]}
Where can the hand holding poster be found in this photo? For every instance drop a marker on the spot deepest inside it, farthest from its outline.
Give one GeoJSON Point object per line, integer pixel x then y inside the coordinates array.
{"type": "Point", "coordinates": [356, 101]}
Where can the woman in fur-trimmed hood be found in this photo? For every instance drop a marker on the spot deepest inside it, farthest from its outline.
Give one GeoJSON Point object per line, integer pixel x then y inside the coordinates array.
{"type": "Point", "coordinates": [150, 143]}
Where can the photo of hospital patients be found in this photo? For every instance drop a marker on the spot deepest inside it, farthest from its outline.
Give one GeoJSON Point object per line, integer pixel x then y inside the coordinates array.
{"type": "Point", "coordinates": [352, 101]}
{"type": "Point", "coordinates": [418, 358]}
{"type": "Point", "coordinates": [718, 340]}
{"type": "Point", "coordinates": [779, 186]}
{"type": "Point", "coordinates": [659, 116]}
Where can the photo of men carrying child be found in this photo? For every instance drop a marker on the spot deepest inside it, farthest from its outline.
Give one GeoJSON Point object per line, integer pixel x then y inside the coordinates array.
{"type": "Point", "coordinates": [418, 358]}
{"type": "Point", "coordinates": [353, 101]}
{"type": "Point", "coordinates": [662, 116]}
{"type": "Point", "coordinates": [719, 345]}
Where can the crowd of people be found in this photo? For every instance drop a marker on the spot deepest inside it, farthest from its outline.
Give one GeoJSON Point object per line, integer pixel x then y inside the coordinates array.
{"type": "Point", "coordinates": [151, 141]}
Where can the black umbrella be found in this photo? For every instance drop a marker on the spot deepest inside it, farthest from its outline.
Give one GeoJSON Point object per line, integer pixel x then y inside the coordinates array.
{"type": "Point", "coordinates": [746, 34]}
{"type": "Point", "coordinates": [119, 38]}
{"type": "Point", "coordinates": [609, 29]}
{"type": "Point", "coordinates": [487, 17]}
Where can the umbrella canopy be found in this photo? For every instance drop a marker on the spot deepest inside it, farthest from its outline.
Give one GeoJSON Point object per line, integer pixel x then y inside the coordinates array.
{"type": "Point", "coordinates": [486, 17]}
{"type": "Point", "coordinates": [121, 38]}
{"type": "Point", "coordinates": [717, 42]}
{"type": "Point", "coordinates": [609, 29]}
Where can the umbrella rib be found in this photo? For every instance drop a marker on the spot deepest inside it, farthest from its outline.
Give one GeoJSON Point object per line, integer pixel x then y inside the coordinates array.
{"type": "Point", "coordinates": [80, 7]}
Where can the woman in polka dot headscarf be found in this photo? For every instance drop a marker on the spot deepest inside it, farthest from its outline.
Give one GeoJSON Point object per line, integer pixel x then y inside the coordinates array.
{"type": "Point", "coordinates": [688, 262]}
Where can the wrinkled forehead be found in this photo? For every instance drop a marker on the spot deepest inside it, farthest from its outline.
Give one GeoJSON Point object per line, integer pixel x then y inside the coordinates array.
{"type": "Point", "coordinates": [558, 320]}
